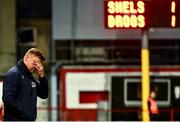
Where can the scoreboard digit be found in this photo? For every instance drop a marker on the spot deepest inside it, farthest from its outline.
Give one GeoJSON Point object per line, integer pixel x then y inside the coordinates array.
{"type": "Point", "coordinates": [173, 16]}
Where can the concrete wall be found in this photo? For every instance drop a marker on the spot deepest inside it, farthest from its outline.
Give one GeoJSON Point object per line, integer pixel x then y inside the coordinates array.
{"type": "Point", "coordinates": [43, 36]}
{"type": "Point", "coordinates": [7, 34]}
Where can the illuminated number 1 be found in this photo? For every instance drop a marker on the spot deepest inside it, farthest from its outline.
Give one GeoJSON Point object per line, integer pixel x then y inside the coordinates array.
{"type": "Point", "coordinates": [173, 17]}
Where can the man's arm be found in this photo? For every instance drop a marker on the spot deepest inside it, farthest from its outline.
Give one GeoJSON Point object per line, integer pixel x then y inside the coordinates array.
{"type": "Point", "coordinates": [10, 88]}
{"type": "Point", "coordinates": [42, 88]}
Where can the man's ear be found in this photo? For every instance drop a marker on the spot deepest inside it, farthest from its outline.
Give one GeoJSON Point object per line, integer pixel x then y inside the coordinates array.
{"type": "Point", "coordinates": [26, 57]}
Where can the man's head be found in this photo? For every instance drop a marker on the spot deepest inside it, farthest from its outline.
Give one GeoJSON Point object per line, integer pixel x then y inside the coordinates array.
{"type": "Point", "coordinates": [153, 94]}
{"type": "Point", "coordinates": [32, 57]}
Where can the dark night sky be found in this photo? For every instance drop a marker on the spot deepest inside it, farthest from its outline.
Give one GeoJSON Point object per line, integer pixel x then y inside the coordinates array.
{"type": "Point", "coordinates": [34, 8]}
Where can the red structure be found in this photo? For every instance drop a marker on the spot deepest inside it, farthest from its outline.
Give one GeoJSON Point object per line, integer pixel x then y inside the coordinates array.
{"type": "Point", "coordinates": [82, 88]}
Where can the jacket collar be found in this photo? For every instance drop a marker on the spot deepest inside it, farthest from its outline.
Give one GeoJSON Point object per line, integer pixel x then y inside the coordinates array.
{"type": "Point", "coordinates": [23, 67]}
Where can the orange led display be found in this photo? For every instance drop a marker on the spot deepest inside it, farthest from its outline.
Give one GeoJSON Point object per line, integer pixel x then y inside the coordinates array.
{"type": "Point", "coordinates": [125, 14]}
{"type": "Point", "coordinates": [141, 13]}
{"type": "Point", "coordinates": [126, 21]}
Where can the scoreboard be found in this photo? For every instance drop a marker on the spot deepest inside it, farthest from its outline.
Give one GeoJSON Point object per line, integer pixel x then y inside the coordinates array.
{"type": "Point", "coordinates": [141, 13]}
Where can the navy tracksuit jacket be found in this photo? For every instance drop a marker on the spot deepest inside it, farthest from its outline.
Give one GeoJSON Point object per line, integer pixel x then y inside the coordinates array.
{"type": "Point", "coordinates": [20, 91]}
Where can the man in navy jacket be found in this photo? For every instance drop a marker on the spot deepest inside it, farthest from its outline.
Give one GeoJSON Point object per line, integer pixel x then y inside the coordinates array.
{"type": "Point", "coordinates": [20, 89]}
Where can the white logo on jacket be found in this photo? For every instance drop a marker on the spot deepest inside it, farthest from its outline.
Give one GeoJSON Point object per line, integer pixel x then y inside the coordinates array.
{"type": "Point", "coordinates": [33, 84]}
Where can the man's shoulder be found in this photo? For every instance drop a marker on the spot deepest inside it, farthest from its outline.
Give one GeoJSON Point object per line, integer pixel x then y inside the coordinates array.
{"type": "Point", "coordinates": [12, 74]}
{"type": "Point", "coordinates": [13, 71]}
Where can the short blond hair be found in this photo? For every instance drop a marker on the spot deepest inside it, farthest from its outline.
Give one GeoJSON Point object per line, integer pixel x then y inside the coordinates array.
{"type": "Point", "coordinates": [36, 52]}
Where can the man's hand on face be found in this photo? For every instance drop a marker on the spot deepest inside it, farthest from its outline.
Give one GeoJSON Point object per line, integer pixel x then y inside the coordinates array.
{"type": "Point", "coordinates": [39, 67]}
